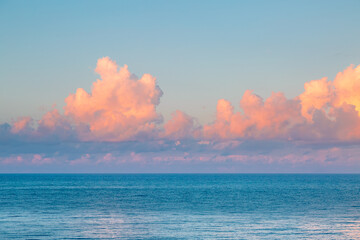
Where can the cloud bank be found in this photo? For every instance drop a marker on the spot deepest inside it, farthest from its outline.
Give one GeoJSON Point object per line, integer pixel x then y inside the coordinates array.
{"type": "Point", "coordinates": [117, 124]}
{"type": "Point", "coordinates": [325, 111]}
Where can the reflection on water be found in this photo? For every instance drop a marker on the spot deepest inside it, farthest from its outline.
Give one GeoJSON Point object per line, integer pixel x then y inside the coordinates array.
{"type": "Point", "coordinates": [180, 206]}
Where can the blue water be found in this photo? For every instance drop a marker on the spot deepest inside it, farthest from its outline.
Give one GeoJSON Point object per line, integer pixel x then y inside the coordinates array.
{"type": "Point", "coordinates": [179, 206]}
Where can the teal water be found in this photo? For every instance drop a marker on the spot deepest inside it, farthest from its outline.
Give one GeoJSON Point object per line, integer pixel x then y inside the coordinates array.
{"type": "Point", "coordinates": [179, 206]}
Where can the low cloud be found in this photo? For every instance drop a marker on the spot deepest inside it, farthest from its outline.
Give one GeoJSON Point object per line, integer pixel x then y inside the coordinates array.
{"type": "Point", "coordinates": [325, 111]}
{"type": "Point", "coordinates": [116, 126]}
{"type": "Point", "coordinates": [181, 126]}
{"type": "Point", "coordinates": [119, 107]}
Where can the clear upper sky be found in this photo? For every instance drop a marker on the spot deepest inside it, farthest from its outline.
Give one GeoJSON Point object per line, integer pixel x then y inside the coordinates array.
{"type": "Point", "coordinates": [199, 51]}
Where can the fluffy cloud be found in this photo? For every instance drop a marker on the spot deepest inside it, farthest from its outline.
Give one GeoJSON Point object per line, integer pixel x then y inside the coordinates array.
{"type": "Point", "coordinates": [122, 107]}
{"type": "Point", "coordinates": [317, 95]}
{"type": "Point", "coordinates": [347, 88]}
{"type": "Point", "coordinates": [180, 126]}
{"type": "Point", "coordinates": [119, 107]}
{"type": "Point", "coordinates": [325, 111]}
{"type": "Point", "coordinates": [260, 119]}
{"type": "Point", "coordinates": [21, 125]}
{"type": "Point", "coordinates": [116, 126]}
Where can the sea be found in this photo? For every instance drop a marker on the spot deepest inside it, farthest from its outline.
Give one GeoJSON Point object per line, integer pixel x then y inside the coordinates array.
{"type": "Point", "coordinates": [179, 206]}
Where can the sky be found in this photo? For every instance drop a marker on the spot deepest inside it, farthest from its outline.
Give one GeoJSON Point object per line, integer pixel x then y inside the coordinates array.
{"type": "Point", "coordinates": [179, 86]}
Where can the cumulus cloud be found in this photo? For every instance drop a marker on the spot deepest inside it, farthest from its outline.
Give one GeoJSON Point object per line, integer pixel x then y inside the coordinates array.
{"type": "Point", "coordinates": [122, 107]}
{"type": "Point", "coordinates": [180, 126]}
{"type": "Point", "coordinates": [317, 95]}
{"type": "Point", "coordinates": [347, 87]}
{"type": "Point", "coordinates": [326, 110]}
{"type": "Point", "coordinates": [116, 126]}
{"type": "Point", "coordinates": [23, 124]}
{"type": "Point", "coordinates": [119, 107]}
{"type": "Point", "coordinates": [260, 119]}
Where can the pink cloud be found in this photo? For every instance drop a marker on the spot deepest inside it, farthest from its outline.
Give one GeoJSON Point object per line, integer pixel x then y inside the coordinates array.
{"type": "Point", "coordinates": [347, 87]}
{"type": "Point", "coordinates": [22, 124]}
{"type": "Point", "coordinates": [39, 160]}
{"type": "Point", "coordinates": [52, 121]}
{"type": "Point", "coordinates": [317, 95]}
{"type": "Point", "coordinates": [326, 110]}
{"type": "Point", "coordinates": [119, 107]}
{"type": "Point", "coordinates": [122, 107]}
{"type": "Point", "coordinates": [13, 160]}
{"type": "Point", "coordinates": [260, 119]}
{"type": "Point", "coordinates": [179, 126]}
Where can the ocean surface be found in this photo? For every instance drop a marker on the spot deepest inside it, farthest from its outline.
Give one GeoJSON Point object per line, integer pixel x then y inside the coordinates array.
{"type": "Point", "coordinates": [179, 206]}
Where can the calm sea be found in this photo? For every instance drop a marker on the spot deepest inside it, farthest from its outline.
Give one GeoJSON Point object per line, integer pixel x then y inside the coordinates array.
{"type": "Point", "coordinates": [179, 206]}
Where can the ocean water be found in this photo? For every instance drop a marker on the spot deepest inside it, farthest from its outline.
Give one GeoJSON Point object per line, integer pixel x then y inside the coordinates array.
{"type": "Point", "coordinates": [179, 206]}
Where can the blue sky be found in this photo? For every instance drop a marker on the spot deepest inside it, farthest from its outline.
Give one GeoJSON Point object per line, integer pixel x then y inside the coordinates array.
{"type": "Point", "coordinates": [199, 51]}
